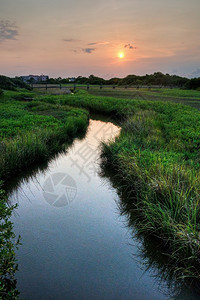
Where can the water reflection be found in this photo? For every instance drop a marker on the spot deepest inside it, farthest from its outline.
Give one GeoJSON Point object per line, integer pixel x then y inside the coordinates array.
{"type": "Point", "coordinates": [15, 183]}
{"type": "Point", "coordinates": [152, 254]}
{"type": "Point", "coordinates": [83, 250]}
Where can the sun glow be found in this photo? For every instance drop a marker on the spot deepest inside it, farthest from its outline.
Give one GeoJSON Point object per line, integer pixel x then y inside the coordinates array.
{"type": "Point", "coordinates": [121, 55]}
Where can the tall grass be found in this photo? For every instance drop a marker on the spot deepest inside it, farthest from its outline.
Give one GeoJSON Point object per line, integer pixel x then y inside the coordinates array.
{"type": "Point", "coordinates": [33, 131]}
{"type": "Point", "coordinates": [163, 185]}
{"type": "Point", "coordinates": [8, 245]}
{"type": "Point", "coordinates": [156, 159]}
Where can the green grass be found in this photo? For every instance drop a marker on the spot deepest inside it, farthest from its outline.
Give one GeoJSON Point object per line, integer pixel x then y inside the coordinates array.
{"type": "Point", "coordinates": [187, 97]}
{"type": "Point", "coordinates": [8, 245]}
{"type": "Point", "coordinates": [32, 131]}
{"type": "Point", "coordinates": [160, 92]}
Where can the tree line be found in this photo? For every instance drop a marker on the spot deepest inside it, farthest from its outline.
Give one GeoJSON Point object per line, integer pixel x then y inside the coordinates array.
{"type": "Point", "coordinates": [157, 78]}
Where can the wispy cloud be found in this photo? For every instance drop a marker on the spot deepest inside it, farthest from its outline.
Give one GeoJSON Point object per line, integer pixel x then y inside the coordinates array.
{"type": "Point", "coordinates": [71, 40]}
{"type": "Point", "coordinates": [8, 30]}
{"type": "Point", "coordinates": [88, 50]}
{"type": "Point", "coordinates": [85, 50]}
{"type": "Point", "coordinates": [98, 43]}
{"type": "Point", "coordinates": [129, 46]}
{"type": "Point", "coordinates": [82, 48]}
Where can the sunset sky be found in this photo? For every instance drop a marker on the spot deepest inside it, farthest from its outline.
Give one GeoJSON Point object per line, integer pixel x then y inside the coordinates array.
{"type": "Point", "coordinates": [82, 37]}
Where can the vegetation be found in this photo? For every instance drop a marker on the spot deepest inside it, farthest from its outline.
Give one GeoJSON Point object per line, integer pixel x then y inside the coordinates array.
{"type": "Point", "coordinates": [157, 78]}
{"type": "Point", "coordinates": [149, 93]}
{"type": "Point", "coordinates": [8, 245]}
{"type": "Point", "coordinates": [158, 161]}
{"type": "Point", "coordinates": [7, 83]}
{"type": "Point", "coordinates": [187, 97]}
{"type": "Point", "coordinates": [32, 131]}
{"type": "Point", "coordinates": [194, 84]}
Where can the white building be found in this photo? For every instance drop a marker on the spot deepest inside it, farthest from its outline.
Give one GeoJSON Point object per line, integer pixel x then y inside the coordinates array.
{"type": "Point", "coordinates": [35, 78]}
{"type": "Point", "coordinates": [72, 79]}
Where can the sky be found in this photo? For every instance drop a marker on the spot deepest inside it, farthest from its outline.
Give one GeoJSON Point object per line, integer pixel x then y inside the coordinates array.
{"type": "Point", "coordinates": [82, 37]}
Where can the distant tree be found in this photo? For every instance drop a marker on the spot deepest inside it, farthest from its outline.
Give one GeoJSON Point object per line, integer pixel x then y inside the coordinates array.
{"type": "Point", "coordinates": [7, 83]}
{"type": "Point", "coordinates": [194, 84]}
{"type": "Point", "coordinates": [82, 80]}
{"type": "Point", "coordinates": [96, 80]}
{"type": "Point", "coordinates": [51, 81]}
{"type": "Point", "coordinates": [114, 81]}
{"type": "Point", "coordinates": [64, 80]}
{"type": "Point", "coordinates": [130, 79]}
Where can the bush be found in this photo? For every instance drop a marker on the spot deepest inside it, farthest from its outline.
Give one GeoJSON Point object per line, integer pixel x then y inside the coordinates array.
{"type": "Point", "coordinates": [194, 84]}
{"type": "Point", "coordinates": [12, 84]}
{"type": "Point", "coordinates": [8, 242]}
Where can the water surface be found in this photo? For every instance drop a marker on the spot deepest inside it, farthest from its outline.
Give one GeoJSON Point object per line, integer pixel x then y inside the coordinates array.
{"type": "Point", "coordinates": [75, 244]}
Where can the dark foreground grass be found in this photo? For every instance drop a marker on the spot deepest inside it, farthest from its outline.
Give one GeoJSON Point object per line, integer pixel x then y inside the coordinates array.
{"type": "Point", "coordinates": [156, 159]}
{"type": "Point", "coordinates": [8, 245]}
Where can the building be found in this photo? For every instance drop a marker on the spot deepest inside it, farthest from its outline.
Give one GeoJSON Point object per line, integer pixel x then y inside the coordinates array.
{"type": "Point", "coordinates": [72, 79]}
{"type": "Point", "coordinates": [35, 78]}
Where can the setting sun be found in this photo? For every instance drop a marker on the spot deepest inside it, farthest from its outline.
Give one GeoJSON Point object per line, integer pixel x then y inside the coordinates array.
{"type": "Point", "coordinates": [121, 55]}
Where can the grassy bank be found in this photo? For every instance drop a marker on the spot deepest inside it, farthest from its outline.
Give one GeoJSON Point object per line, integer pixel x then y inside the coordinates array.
{"type": "Point", "coordinates": [163, 187]}
{"type": "Point", "coordinates": [156, 159]}
{"type": "Point", "coordinates": [31, 131]}
{"type": "Point", "coordinates": [8, 245]}
{"type": "Point", "coordinates": [187, 97]}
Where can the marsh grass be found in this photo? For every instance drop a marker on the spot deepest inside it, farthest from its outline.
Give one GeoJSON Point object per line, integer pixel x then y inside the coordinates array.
{"type": "Point", "coordinates": [163, 187]}
{"type": "Point", "coordinates": [156, 159]}
{"type": "Point", "coordinates": [165, 204]}
{"type": "Point", "coordinates": [32, 131]}
{"type": "Point", "coordinates": [8, 245]}
{"type": "Point", "coordinates": [187, 97]}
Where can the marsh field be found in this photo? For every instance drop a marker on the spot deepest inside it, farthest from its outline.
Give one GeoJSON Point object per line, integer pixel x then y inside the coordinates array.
{"type": "Point", "coordinates": [146, 153]}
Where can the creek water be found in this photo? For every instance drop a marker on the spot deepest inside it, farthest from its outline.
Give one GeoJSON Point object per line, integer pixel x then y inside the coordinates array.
{"type": "Point", "coordinates": [75, 243]}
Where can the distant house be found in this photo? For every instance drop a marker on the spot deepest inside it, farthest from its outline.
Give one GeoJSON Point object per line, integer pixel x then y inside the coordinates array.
{"type": "Point", "coordinates": [72, 79]}
{"type": "Point", "coordinates": [35, 78]}
{"type": "Point", "coordinates": [43, 77]}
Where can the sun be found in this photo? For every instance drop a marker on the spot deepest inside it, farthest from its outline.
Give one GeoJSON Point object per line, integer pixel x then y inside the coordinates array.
{"type": "Point", "coordinates": [121, 55]}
